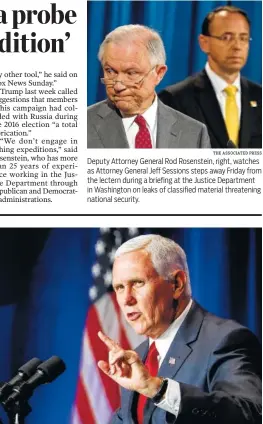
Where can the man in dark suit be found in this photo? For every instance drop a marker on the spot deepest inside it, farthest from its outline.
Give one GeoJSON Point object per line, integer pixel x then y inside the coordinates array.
{"type": "Point", "coordinates": [229, 105]}
{"type": "Point", "coordinates": [194, 367]}
{"type": "Point", "coordinates": [133, 62]}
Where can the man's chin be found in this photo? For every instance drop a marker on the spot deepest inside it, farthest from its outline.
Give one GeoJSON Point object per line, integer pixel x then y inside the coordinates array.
{"type": "Point", "coordinates": [123, 104]}
{"type": "Point", "coordinates": [139, 329]}
{"type": "Point", "coordinates": [235, 66]}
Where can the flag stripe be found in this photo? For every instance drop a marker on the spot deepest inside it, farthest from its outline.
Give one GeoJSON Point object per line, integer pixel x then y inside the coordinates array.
{"type": "Point", "coordinates": [83, 406]}
{"type": "Point", "coordinates": [108, 317]}
{"type": "Point", "coordinates": [94, 385]}
{"type": "Point", "coordinates": [100, 351]}
{"type": "Point", "coordinates": [75, 416]}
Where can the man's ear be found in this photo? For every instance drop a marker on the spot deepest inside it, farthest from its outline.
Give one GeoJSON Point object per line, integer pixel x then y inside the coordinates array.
{"type": "Point", "coordinates": [160, 71]}
{"type": "Point", "coordinates": [204, 43]}
{"type": "Point", "coordinates": [179, 280]}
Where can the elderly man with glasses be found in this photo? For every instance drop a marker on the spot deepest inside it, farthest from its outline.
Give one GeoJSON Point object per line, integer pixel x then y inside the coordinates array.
{"type": "Point", "coordinates": [228, 104]}
{"type": "Point", "coordinates": [133, 62]}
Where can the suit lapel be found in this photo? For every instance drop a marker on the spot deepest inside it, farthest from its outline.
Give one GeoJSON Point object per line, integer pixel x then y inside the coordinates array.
{"type": "Point", "coordinates": [179, 350]}
{"type": "Point", "coordinates": [168, 134]}
{"type": "Point", "coordinates": [110, 127]}
{"type": "Point", "coordinates": [213, 118]}
{"type": "Point", "coordinates": [245, 121]}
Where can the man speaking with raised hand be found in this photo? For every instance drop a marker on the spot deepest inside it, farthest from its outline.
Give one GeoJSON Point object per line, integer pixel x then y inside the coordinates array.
{"type": "Point", "coordinates": [194, 367]}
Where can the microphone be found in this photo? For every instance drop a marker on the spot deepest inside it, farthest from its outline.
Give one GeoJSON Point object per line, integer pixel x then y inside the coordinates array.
{"type": "Point", "coordinates": [24, 372]}
{"type": "Point", "coordinates": [45, 373]}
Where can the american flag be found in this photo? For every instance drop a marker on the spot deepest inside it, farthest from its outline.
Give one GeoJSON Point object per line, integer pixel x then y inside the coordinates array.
{"type": "Point", "coordinates": [97, 396]}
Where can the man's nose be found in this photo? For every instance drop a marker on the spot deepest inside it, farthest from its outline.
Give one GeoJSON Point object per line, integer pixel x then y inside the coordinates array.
{"type": "Point", "coordinates": [119, 86]}
{"type": "Point", "coordinates": [129, 298]}
{"type": "Point", "coordinates": [237, 43]}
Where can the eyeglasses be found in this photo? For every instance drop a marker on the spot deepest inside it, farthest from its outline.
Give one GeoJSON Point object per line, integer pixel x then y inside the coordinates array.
{"type": "Point", "coordinates": [228, 38]}
{"type": "Point", "coordinates": [131, 80]}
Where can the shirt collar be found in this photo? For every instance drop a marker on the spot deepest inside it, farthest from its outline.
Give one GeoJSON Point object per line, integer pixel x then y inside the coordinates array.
{"type": "Point", "coordinates": [149, 116]}
{"type": "Point", "coordinates": [218, 83]}
{"type": "Point", "coordinates": [165, 340]}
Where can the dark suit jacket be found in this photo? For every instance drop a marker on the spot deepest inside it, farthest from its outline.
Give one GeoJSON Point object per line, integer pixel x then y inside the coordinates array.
{"type": "Point", "coordinates": [217, 363]}
{"type": "Point", "coordinates": [195, 97]}
{"type": "Point", "coordinates": [174, 130]}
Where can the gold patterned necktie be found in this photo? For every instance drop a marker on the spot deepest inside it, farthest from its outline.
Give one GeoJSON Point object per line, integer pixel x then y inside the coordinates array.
{"type": "Point", "coordinates": [231, 114]}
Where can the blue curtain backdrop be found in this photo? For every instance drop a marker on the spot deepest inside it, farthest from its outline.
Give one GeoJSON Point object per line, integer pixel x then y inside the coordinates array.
{"type": "Point", "coordinates": [44, 281]}
{"type": "Point", "coordinates": [179, 24]}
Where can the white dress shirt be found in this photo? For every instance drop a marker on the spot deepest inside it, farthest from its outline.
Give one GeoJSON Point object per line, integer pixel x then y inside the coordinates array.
{"type": "Point", "coordinates": [131, 128]}
{"type": "Point", "coordinates": [219, 84]}
{"type": "Point", "coordinates": [172, 399]}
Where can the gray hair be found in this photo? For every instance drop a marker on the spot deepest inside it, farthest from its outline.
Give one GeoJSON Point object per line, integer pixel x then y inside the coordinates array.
{"type": "Point", "coordinates": [130, 33]}
{"type": "Point", "coordinates": [166, 255]}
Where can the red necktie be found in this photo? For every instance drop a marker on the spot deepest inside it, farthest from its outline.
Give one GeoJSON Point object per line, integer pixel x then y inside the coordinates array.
{"type": "Point", "coordinates": [152, 364]}
{"type": "Point", "coordinates": [143, 138]}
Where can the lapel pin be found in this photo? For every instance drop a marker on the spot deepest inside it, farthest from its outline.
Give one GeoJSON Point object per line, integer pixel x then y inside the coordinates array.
{"type": "Point", "coordinates": [253, 103]}
{"type": "Point", "coordinates": [171, 361]}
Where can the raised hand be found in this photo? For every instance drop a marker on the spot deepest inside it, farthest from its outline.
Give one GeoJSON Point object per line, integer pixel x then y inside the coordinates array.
{"type": "Point", "coordinates": [126, 368]}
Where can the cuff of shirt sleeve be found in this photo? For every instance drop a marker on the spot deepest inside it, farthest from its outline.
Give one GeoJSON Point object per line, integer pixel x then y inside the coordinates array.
{"type": "Point", "coordinates": [172, 399]}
